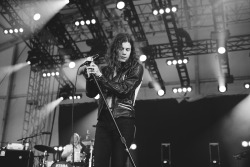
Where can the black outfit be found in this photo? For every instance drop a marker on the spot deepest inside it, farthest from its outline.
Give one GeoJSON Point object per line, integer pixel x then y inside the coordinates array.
{"type": "Point", "coordinates": [121, 90]}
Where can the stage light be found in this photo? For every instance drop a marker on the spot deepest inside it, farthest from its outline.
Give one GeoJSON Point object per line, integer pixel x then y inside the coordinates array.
{"type": "Point", "coordinates": [175, 90]}
{"type": "Point", "coordinates": [179, 61]}
{"type": "Point", "coordinates": [175, 61]}
{"type": "Point", "coordinates": [221, 50]}
{"type": "Point", "coordinates": [160, 92]}
{"type": "Point", "coordinates": [10, 31]}
{"type": "Point", "coordinates": [16, 30]}
{"type": "Point", "coordinates": [82, 22]}
{"type": "Point", "coordinates": [185, 60]}
{"type": "Point", "coordinates": [93, 21]}
{"type": "Point", "coordinates": [77, 23]}
{"type": "Point", "coordinates": [126, 14]}
{"type": "Point", "coordinates": [88, 22]}
{"type": "Point", "coordinates": [182, 89]}
{"type": "Point", "coordinates": [174, 9]}
{"type": "Point", "coordinates": [169, 62]}
{"type": "Point", "coordinates": [97, 97]}
{"type": "Point", "coordinates": [36, 16]}
{"type": "Point", "coordinates": [20, 29]}
{"type": "Point", "coordinates": [72, 64]}
{"type": "Point", "coordinates": [155, 12]}
{"type": "Point", "coordinates": [247, 85]}
{"type": "Point", "coordinates": [222, 88]}
{"type": "Point", "coordinates": [143, 58]}
{"type": "Point", "coordinates": [120, 5]}
{"type": "Point", "coordinates": [133, 146]}
{"type": "Point", "coordinates": [66, 91]}
{"type": "Point", "coordinates": [167, 10]}
{"type": "Point", "coordinates": [5, 31]}
{"type": "Point", "coordinates": [33, 57]}
{"type": "Point", "coordinates": [244, 143]}
{"type": "Point", "coordinates": [161, 11]}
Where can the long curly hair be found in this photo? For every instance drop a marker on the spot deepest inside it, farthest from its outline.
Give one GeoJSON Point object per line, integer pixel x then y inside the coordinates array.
{"type": "Point", "coordinates": [113, 52]}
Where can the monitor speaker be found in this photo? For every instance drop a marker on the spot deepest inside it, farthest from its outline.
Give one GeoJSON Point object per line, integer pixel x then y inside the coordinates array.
{"type": "Point", "coordinates": [17, 158]}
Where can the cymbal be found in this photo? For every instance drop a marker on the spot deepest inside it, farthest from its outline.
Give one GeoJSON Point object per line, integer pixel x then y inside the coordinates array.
{"type": "Point", "coordinates": [88, 142]}
{"type": "Point", "coordinates": [44, 148]}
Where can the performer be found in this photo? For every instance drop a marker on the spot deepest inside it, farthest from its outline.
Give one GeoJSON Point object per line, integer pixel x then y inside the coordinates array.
{"type": "Point", "coordinates": [120, 81]}
{"type": "Point", "coordinates": [79, 154]}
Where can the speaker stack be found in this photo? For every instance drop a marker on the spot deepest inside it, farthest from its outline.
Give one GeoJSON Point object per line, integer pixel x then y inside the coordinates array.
{"type": "Point", "coordinates": [16, 158]}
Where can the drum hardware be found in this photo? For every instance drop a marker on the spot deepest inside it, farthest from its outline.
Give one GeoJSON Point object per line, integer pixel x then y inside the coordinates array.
{"type": "Point", "coordinates": [45, 149]}
{"type": "Point", "coordinates": [90, 145]}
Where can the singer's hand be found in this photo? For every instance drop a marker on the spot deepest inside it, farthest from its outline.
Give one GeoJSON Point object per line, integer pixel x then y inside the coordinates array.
{"type": "Point", "coordinates": [93, 69]}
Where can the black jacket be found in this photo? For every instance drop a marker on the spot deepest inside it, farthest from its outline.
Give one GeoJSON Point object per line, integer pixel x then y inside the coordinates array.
{"type": "Point", "coordinates": [122, 89]}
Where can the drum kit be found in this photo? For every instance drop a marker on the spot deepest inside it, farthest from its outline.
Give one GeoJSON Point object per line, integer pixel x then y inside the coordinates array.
{"type": "Point", "coordinates": [85, 162]}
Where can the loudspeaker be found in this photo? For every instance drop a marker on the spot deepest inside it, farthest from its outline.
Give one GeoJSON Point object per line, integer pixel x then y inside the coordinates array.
{"type": "Point", "coordinates": [17, 158]}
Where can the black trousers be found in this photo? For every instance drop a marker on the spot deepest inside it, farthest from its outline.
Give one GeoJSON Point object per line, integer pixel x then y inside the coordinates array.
{"type": "Point", "coordinates": [109, 151]}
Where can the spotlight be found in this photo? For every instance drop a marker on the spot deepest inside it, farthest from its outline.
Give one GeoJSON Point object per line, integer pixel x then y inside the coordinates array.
{"type": "Point", "coordinates": [36, 16]}
{"type": "Point", "coordinates": [77, 23]}
{"type": "Point", "coordinates": [174, 9]}
{"type": "Point", "coordinates": [72, 64]}
{"type": "Point", "coordinates": [93, 21]}
{"type": "Point", "coordinates": [160, 92]}
{"type": "Point", "coordinates": [161, 11]}
{"type": "Point", "coordinates": [221, 50]}
{"type": "Point", "coordinates": [82, 22]}
{"type": "Point", "coordinates": [167, 10]}
{"type": "Point", "coordinates": [16, 30]}
{"type": "Point", "coordinates": [182, 89]}
{"type": "Point", "coordinates": [244, 143]}
{"type": "Point", "coordinates": [88, 22]}
{"type": "Point", "coordinates": [126, 14]}
{"type": "Point", "coordinates": [133, 146]}
{"type": "Point", "coordinates": [5, 31]}
{"type": "Point", "coordinates": [174, 62]}
{"type": "Point", "coordinates": [222, 88]}
{"type": "Point", "coordinates": [33, 57]}
{"type": "Point", "coordinates": [247, 85]}
{"type": "Point", "coordinates": [143, 58]}
{"type": "Point", "coordinates": [97, 97]}
{"type": "Point", "coordinates": [10, 31]}
{"type": "Point", "coordinates": [155, 12]}
{"type": "Point", "coordinates": [20, 29]}
{"type": "Point", "coordinates": [169, 62]}
{"type": "Point", "coordinates": [120, 5]}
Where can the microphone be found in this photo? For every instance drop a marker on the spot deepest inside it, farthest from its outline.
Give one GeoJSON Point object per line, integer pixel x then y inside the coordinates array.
{"type": "Point", "coordinates": [45, 133]}
{"type": "Point", "coordinates": [90, 59]}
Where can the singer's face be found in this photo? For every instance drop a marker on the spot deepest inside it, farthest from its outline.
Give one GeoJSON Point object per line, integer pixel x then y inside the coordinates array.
{"type": "Point", "coordinates": [124, 52]}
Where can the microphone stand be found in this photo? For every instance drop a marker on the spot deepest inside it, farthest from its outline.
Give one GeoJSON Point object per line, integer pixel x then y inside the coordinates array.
{"type": "Point", "coordinates": [117, 128]}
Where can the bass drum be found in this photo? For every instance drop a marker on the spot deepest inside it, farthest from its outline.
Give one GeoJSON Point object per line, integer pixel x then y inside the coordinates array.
{"type": "Point", "coordinates": [61, 164]}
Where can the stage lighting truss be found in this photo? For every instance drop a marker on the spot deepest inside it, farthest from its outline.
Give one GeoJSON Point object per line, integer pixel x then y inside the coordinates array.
{"type": "Point", "coordinates": [177, 61]}
{"type": "Point", "coordinates": [85, 22]}
{"type": "Point", "coordinates": [167, 10]}
{"type": "Point", "coordinates": [182, 89]}
{"type": "Point", "coordinates": [13, 30]}
{"type": "Point", "coordinates": [50, 73]}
